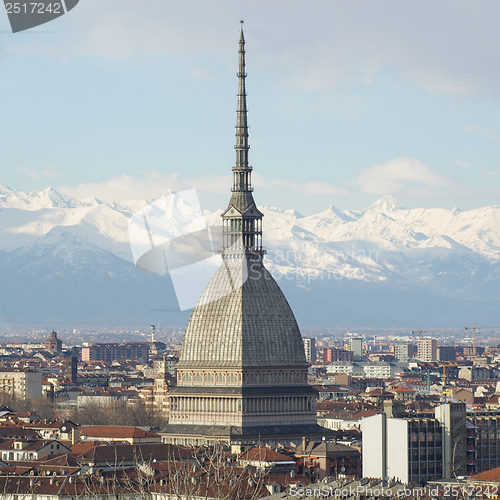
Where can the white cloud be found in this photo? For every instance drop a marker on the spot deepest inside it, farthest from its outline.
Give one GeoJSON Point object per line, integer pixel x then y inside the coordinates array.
{"type": "Point", "coordinates": [48, 172]}
{"type": "Point", "coordinates": [474, 128]}
{"type": "Point", "coordinates": [398, 176]}
{"type": "Point", "coordinates": [146, 186]}
{"type": "Point", "coordinates": [326, 44]}
{"type": "Point", "coordinates": [151, 184]}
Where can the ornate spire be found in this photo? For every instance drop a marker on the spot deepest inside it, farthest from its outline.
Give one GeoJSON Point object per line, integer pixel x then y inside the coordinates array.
{"type": "Point", "coordinates": [241, 145]}
{"type": "Point", "coordinates": [242, 220]}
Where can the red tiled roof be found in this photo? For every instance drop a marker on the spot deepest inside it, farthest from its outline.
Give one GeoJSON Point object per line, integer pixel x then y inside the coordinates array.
{"type": "Point", "coordinates": [83, 447]}
{"type": "Point", "coordinates": [402, 389]}
{"type": "Point", "coordinates": [489, 475]}
{"type": "Point", "coordinates": [265, 454]}
{"type": "Point", "coordinates": [364, 414]}
{"type": "Point", "coordinates": [115, 431]}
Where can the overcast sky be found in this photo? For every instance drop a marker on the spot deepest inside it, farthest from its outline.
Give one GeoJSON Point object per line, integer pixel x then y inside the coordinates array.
{"type": "Point", "coordinates": [348, 101]}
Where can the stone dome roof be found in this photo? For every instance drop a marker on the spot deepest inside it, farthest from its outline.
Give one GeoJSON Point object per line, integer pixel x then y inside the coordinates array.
{"type": "Point", "coordinates": [242, 320]}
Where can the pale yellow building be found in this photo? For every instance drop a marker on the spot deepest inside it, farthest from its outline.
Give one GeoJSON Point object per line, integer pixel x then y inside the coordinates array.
{"type": "Point", "coordinates": [21, 383]}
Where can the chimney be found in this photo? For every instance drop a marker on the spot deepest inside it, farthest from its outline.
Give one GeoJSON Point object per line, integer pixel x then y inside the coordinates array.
{"type": "Point", "coordinates": [304, 442]}
{"type": "Point", "coordinates": [75, 435]}
{"type": "Point", "coordinates": [393, 409]}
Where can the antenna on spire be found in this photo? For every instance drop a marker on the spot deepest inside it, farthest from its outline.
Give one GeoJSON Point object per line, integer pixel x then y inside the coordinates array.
{"type": "Point", "coordinates": [242, 38]}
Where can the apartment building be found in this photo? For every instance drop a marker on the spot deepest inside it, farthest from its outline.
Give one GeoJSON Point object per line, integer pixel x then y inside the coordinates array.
{"type": "Point", "coordinates": [404, 352]}
{"type": "Point", "coordinates": [310, 349]}
{"type": "Point", "coordinates": [113, 352]}
{"type": "Point", "coordinates": [421, 448]}
{"type": "Point", "coordinates": [20, 383]}
{"type": "Point", "coordinates": [427, 350]}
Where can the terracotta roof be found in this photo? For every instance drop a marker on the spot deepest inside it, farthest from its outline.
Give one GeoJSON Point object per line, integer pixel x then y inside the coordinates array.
{"type": "Point", "coordinates": [83, 446]}
{"type": "Point", "coordinates": [17, 433]}
{"type": "Point", "coordinates": [365, 413]}
{"type": "Point", "coordinates": [115, 431]}
{"type": "Point", "coordinates": [489, 475]}
{"type": "Point", "coordinates": [209, 486]}
{"type": "Point", "coordinates": [378, 391]}
{"type": "Point", "coordinates": [265, 454]}
{"type": "Point", "coordinates": [59, 485]}
{"type": "Point", "coordinates": [402, 389]}
{"type": "Point", "coordinates": [328, 388]}
{"type": "Point", "coordinates": [323, 448]}
{"type": "Point", "coordinates": [131, 453]}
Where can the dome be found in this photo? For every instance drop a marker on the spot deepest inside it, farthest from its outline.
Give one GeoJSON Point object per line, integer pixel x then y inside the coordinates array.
{"type": "Point", "coordinates": [242, 325]}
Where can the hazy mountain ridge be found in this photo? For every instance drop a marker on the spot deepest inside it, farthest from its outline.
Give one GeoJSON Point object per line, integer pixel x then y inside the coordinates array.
{"type": "Point", "coordinates": [344, 257]}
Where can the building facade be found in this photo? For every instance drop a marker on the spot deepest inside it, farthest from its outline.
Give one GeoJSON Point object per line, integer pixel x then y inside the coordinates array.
{"type": "Point", "coordinates": [331, 354]}
{"type": "Point", "coordinates": [310, 349]}
{"type": "Point", "coordinates": [53, 344]}
{"type": "Point", "coordinates": [356, 346]}
{"type": "Point", "coordinates": [427, 350]}
{"type": "Point", "coordinates": [112, 352]}
{"type": "Point", "coordinates": [352, 369]}
{"type": "Point", "coordinates": [483, 441]}
{"type": "Point", "coordinates": [21, 384]}
{"type": "Point", "coordinates": [420, 448]}
{"type": "Point", "coordinates": [380, 370]}
{"type": "Point", "coordinates": [446, 353]}
{"type": "Point", "coordinates": [404, 352]}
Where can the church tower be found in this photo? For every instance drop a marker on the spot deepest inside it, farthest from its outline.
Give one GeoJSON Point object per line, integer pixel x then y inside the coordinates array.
{"type": "Point", "coordinates": [242, 372]}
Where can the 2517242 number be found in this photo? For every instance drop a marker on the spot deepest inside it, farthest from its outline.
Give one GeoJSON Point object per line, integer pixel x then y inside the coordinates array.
{"type": "Point", "coordinates": [34, 8]}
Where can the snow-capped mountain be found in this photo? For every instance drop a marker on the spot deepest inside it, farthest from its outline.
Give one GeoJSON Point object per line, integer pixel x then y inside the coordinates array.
{"type": "Point", "coordinates": [64, 259]}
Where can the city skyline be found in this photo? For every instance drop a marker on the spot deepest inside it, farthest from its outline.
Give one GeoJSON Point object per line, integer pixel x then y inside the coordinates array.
{"type": "Point", "coordinates": [343, 352]}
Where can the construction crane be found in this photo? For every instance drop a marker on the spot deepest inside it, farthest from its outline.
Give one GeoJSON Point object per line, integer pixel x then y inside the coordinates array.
{"type": "Point", "coordinates": [413, 332]}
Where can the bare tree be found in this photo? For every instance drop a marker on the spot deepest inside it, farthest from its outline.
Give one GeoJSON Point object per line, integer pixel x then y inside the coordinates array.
{"type": "Point", "coordinates": [42, 406]}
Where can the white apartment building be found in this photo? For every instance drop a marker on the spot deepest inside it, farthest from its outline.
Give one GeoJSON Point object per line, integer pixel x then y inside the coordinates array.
{"type": "Point", "coordinates": [353, 369]}
{"type": "Point", "coordinates": [380, 370]}
{"type": "Point", "coordinates": [368, 370]}
{"type": "Point", "coordinates": [310, 349]}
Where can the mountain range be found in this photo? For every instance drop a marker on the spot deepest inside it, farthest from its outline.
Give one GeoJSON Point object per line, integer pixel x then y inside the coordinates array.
{"type": "Point", "coordinates": [67, 261]}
